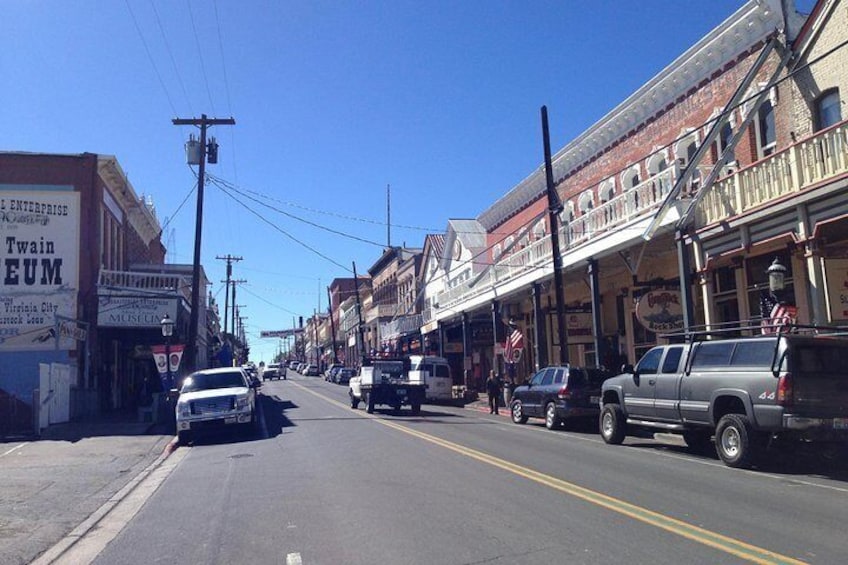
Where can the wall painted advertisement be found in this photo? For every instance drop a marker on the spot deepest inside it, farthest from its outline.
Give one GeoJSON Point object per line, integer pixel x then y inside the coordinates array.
{"type": "Point", "coordinates": [39, 266]}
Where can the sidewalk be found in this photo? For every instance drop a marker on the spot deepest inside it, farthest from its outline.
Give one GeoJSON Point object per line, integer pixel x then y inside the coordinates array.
{"type": "Point", "coordinates": [52, 484]}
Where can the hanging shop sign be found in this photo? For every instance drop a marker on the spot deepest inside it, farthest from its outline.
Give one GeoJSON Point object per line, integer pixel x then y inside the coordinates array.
{"type": "Point", "coordinates": [837, 288]}
{"type": "Point", "coordinates": [660, 311]}
{"type": "Point", "coordinates": [163, 354]}
{"type": "Point", "coordinates": [39, 266]}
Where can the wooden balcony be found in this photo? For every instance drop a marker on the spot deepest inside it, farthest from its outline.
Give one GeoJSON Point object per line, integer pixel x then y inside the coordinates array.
{"type": "Point", "coordinates": [808, 163]}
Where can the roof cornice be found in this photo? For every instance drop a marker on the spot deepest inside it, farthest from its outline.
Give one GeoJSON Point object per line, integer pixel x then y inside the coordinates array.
{"type": "Point", "coordinates": [751, 24]}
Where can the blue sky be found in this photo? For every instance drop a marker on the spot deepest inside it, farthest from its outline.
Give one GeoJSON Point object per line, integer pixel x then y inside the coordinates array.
{"type": "Point", "coordinates": [333, 101]}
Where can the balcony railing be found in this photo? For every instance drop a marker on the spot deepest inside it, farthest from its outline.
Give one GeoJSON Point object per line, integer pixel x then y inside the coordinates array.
{"type": "Point", "coordinates": [158, 283]}
{"type": "Point", "coordinates": [606, 218]}
{"type": "Point", "coordinates": [814, 160]}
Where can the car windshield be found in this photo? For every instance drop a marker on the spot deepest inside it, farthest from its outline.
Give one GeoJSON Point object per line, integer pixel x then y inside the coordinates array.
{"type": "Point", "coordinates": [208, 381]}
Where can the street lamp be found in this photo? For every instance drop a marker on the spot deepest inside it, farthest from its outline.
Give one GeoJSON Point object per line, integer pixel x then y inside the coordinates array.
{"type": "Point", "coordinates": [776, 275]}
{"type": "Point", "coordinates": [167, 331]}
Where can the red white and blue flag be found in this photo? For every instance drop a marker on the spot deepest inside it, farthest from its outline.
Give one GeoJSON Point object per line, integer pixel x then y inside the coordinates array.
{"type": "Point", "coordinates": [776, 316]}
{"type": "Point", "coordinates": [514, 346]}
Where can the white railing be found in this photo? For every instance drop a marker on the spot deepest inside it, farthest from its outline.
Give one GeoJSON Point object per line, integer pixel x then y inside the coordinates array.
{"type": "Point", "coordinates": [809, 162]}
{"type": "Point", "coordinates": [637, 202]}
{"type": "Point", "coordinates": [148, 282]}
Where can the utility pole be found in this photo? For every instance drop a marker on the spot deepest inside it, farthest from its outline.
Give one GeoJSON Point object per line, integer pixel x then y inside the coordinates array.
{"type": "Point", "coordinates": [234, 283]}
{"type": "Point", "coordinates": [197, 156]}
{"type": "Point", "coordinates": [361, 340]}
{"type": "Point", "coordinates": [229, 259]}
{"type": "Point", "coordinates": [388, 215]}
{"type": "Point", "coordinates": [332, 324]}
{"type": "Point", "coordinates": [554, 210]}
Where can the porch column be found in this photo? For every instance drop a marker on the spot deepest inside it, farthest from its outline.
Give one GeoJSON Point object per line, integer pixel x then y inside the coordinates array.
{"type": "Point", "coordinates": [539, 345]}
{"type": "Point", "coordinates": [497, 332]}
{"type": "Point", "coordinates": [440, 328]}
{"type": "Point", "coordinates": [684, 269]}
{"type": "Point", "coordinates": [597, 330]}
{"type": "Point", "coordinates": [815, 283]}
{"type": "Point", "coordinates": [465, 350]}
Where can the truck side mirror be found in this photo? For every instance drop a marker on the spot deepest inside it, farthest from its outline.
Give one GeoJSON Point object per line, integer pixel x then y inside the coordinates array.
{"type": "Point", "coordinates": [627, 368]}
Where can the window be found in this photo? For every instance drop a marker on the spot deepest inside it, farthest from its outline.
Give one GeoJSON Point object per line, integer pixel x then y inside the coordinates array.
{"type": "Point", "coordinates": [496, 251]}
{"type": "Point", "coordinates": [656, 164]}
{"type": "Point", "coordinates": [672, 360]}
{"type": "Point", "coordinates": [724, 295]}
{"type": "Point", "coordinates": [539, 229]}
{"type": "Point", "coordinates": [585, 202]}
{"type": "Point", "coordinates": [548, 378]}
{"type": "Point", "coordinates": [630, 178]}
{"type": "Point", "coordinates": [722, 142]}
{"type": "Point", "coordinates": [754, 353]}
{"type": "Point", "coordinates": [650, 362]}
{"type": "Point", "coordinates": [537, 378]}
{"type": "Point", "coordinates": [606, 191]}
{"type": "Point", "coordinates": [560, 373]}
{"type": "Point", "coordinates": [766, 138]}
{"type": "Point", "coordinates": [828, 109]}
{"type": "Point", "coordinates": [713, 354]}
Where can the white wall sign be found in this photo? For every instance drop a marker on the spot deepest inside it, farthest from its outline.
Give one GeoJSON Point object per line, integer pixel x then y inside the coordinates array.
{"type": "Point", "coordinates": [837, 288]}
{"type": "Point", "coordinates": [134, 311]}
{"type": "Point", "coordinates": [39, 266]}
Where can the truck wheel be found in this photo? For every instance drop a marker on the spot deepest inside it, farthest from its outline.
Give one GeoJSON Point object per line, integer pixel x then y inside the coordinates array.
{"type": "Point", "coordinates": [613, 424]}
{"type": "Point", "coordinates": [369, 402]}
{"type": "Point", "coordinates": [184, 437]}
{"type": "Point", "coordinates": [354, 402]}
{"type": "Point", "coordinates": [416, 408]}
{"type": "Point", "coordinates": [552, 421]}
{"type": "Point", "coordinates": [517, 411]}
{"type": "Point", "coordinates": [736, 442]}
{"type": "Point", "coordinates": [697, 440]}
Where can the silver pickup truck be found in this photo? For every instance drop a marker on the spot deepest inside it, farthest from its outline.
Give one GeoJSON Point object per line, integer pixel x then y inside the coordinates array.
{"type": "Point", "coordinates": [747, 392]}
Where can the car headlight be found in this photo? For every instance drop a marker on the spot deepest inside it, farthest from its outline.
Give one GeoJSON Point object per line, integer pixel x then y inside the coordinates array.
{"type": "Point", "coordinates": [183, 409]}
{"type": "Point", "coordinates": [242, 402]}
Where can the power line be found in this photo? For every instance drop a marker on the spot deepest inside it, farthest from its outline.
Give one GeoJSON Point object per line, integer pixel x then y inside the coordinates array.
{"type": "Point", "coordinates": [150, 58]}
{"type": "Point", "coordinates": [171, 55]}
{"type": "Point", "coordinates": [200, 56]}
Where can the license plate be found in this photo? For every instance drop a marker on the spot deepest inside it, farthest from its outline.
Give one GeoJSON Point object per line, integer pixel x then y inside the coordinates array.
{"type": "Point", "coordinates": [401, 391]}
{"type": "Point", "coordinates": [840, 423]}
{"type": "Point", "coordinates": [231, 420]}
{"type": "Point", "coordinates": [594, 399]}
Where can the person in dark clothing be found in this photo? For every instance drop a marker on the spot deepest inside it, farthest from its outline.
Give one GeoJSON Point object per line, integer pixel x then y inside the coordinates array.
{"type": "Point", "coordinates": [493, 389]}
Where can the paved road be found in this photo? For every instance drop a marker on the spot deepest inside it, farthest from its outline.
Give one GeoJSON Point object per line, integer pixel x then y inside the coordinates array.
{"type": "Point", "coordinates": [320, 483]}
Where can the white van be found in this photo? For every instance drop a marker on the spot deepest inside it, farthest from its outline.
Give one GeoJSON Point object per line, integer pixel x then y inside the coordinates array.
{"type": "Point", "coordinates": [435, 373]}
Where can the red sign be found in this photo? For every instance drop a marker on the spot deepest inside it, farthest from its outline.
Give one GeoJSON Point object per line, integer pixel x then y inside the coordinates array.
{"type": "Point", "coordinates": [159, 354]}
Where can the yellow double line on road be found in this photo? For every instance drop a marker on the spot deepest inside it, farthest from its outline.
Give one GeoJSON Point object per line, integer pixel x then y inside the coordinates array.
{"type": "Point", "coordinates": [717, 541]}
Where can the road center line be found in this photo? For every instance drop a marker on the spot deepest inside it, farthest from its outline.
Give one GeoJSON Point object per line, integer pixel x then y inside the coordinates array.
{"type": "Point", "coordinates": [706, 537]}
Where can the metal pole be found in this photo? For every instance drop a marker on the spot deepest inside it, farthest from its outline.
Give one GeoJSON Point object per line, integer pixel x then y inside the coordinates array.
{"type": "Point", "coordinates": [198, 231]}
{"type": "Point", "coordinates": [361, 340]}
{"type": "Point", "coordinates": [332, 324]}
{"type": "Point", "coordinates": [597, 330]}
{"type": "Point", "coordinates": [685, 273]}
{"type": "Point", "coordinates": [554, 210]}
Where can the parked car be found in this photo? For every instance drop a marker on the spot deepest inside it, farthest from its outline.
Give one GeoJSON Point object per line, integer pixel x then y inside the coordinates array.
{"type": "Point", "coordinates": [558, 394]}
{"type": "Point", "coordinates": [344, 375]}
{"type": "Point", "coordinates": [328, 372]}
{"type": "Point", "coordinates": [215, 398]}
{"type": "Point", "coordinates": [310, 370]}
{"type": "Point", "coordinates": [334, 373]}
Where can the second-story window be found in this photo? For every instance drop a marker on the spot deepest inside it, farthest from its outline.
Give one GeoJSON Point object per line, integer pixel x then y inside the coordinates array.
{"type": "Point", "coordinates": [722, 142]}
{"type": "Point", "coordinates": [828, 109]}
{"type": "Point", "coordinates": [766, 137]}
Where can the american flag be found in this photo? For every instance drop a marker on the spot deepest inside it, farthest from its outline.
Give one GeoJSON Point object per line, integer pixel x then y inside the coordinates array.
{"type": "Point", "coordinates": [775, 314]}
{"type": "Point", "coordinates": [513, 346]}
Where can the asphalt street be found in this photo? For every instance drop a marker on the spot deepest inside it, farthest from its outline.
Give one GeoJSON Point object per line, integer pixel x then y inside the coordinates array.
{"type": "Point", "coordinates": [317, 482]}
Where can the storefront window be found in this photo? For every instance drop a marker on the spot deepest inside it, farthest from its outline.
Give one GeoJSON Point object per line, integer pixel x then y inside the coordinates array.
{"type": "Point", "coordinates": [725, 298]}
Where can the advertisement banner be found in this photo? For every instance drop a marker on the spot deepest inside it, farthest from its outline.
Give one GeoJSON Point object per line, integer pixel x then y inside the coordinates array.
{"type": "Point", "coordinates": [39, 266]}
{"type": "Point", "coordinates": [159, 355]}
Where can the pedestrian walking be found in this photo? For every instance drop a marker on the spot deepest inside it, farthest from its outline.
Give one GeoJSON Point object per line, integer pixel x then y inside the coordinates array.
{"type": "Point", "coordinates": [493, 389]}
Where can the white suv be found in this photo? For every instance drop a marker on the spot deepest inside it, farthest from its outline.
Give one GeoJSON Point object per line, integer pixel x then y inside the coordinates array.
{"type": "Point", "coordinates": [215, 398]}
